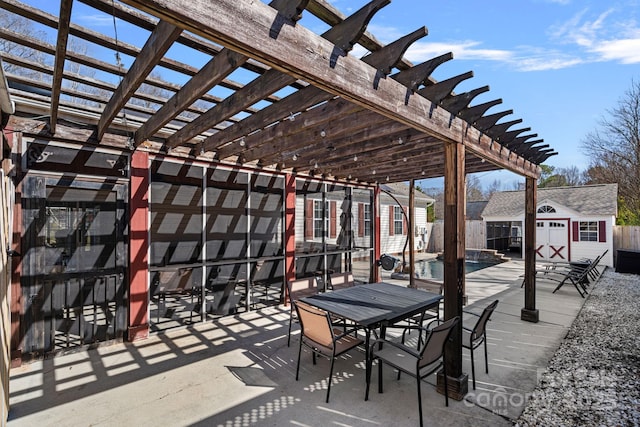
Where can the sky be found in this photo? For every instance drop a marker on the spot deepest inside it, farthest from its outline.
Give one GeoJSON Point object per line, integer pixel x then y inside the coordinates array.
{"type": "Point", "coordinates": [560, 65]}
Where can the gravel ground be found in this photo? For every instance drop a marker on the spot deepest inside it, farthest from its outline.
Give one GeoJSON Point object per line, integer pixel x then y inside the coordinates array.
{"type": "Point", "coordinates": [594, 377]}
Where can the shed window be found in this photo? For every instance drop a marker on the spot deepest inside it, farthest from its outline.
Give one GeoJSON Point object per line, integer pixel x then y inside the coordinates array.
{"type": "Point", "coordinates": [546, 209]}
{"type": "Point", "coordinates": [588, 231]}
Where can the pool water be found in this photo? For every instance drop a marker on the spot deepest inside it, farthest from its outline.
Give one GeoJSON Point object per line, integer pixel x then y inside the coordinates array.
{"type": "Point", "coordinates": [434, 268]}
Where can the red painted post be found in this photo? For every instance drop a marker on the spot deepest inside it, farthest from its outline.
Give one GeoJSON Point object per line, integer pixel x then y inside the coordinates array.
{"type": "Point", "coordinates": [138, 248]}
{"type": "Point", "coordinates": [290, 227]}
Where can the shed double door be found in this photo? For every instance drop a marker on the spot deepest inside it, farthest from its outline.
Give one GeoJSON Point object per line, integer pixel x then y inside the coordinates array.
{"type": "Point", "coordinates": [552, 240]}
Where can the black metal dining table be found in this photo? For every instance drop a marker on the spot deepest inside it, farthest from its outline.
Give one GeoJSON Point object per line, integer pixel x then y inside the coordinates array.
{"type": "Point", "coordinates": [375, 305]}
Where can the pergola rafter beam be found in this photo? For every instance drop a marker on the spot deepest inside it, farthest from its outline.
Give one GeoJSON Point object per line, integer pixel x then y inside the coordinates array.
{"type": "Point", "coordinates": [499, 129]}
{"type": "Point", "coordinates": [439, 91]}
{"type": "Point", "coordinates": [301, 53]}
{"type": "Point", "coordinates": [58, 67]}
{"type": "Point", "coordinates": [418, 75]}
{"type": "Point", "coordinates": [485, 123]}
{"type": "Point", "coordinates": [158, 43]}
{"type": "Point", "coordinates": [210, 75]}
{"type": "Point", "coordinates": [456, 103]}
{"type": "Point", "coordinates": [344, 34]}
{"type": "Point", "coordinates": [383, 59]}
{"type": "Point", "coordinates": [474, 113]}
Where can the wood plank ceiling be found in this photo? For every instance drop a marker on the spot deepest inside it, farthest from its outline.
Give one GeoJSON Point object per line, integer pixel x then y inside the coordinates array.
{"type": "Point", "coordinates": [374, 119]}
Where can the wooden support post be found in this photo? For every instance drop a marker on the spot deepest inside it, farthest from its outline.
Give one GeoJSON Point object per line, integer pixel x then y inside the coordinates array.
{"type": "Point", "coordinates": [376, 234]}
{"type": "Point", "coordinates": [454, 254]}
{"type": "Point", "coordinates": [411, 231]}
{"type": "Point", "coordinates": [290, 227]}
{"type": "Point", "coordinates": [529, 312]}
{"type": "Point", "coordinates": [139, 247]}
{"type": "Point", "coordinates": [15, 293]}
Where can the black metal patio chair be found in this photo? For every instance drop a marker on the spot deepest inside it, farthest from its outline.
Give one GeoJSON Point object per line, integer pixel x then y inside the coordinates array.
{"type": "Point", "coordinates": [472, 338]}
{"type": "Point", "coordinates": [417, 363]}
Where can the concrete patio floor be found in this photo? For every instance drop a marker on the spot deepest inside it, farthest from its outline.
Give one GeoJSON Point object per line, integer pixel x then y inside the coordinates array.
{"type": "Point", "coordinates": [238, 371]}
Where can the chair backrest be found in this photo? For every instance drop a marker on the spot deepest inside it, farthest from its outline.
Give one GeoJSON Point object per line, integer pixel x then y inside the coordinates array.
{"type": "Point", "coordinates": [595, 262]}
{"type": "Point", "coordinates": [428, 285]}
{"type": "Point", "coordinates": [341, 280]}
{"type": "Point", "coordinates": [299, 288]}
{"type": "Point", "coordinates": [178, 280]}
{"type": "Point", "coordinates": [481, 324]}
{"type": "Point", "coordinates": [436, 339]}
{"type": "Point", "coordinates": [315, 324]}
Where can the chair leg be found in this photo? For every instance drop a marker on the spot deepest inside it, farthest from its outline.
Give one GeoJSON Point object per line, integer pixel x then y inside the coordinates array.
{"type": "Point", "coordinates": [446, 384]}
{"type": "Point", "coordinates": [333, 358]}
{"type": "Point", "coordinates": [379, 376]}
{"type": "Point", "coordinates": [298, 366]}
{"type": "Point", "coordinates": [419, 398]}
{"type": "Point", "coordinates": [473, 367]}
{"type": "Point", "coordinates": [486, 357]}
{"type": "Point", "coordinates": [368, 376]}
{"type": "Point", "coordinates": [289, 334]}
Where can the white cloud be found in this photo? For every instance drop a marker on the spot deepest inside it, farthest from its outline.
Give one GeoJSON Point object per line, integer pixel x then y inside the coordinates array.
{"type": "Point", "coordinates": [96, 20]}
{"type": "Point", "coordinates": [585, 37]}
{"type": "Point", "coordinates": [385, 34]}
{"type": "Point", "coordinates": [419, 51]}
{"type": "Point", "coordinates": [603, 38]}
{"type": "Point", "coordinates": [627, 51]}
{"type": "Point", "coordinates": [541, 63]}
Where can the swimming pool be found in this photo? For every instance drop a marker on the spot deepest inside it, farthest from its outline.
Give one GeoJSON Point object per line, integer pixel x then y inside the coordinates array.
{"type": "Point", "coordinates": [434, 268]}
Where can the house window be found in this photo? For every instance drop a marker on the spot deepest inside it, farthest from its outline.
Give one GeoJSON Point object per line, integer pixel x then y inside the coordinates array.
{"type": "Point", "coordinates": [588, 231]}
{"type": "Point", "coordinates": [546, 209]}
{"type": "Point", "coordinates": [397, 220]}
{"type": "Point", "coordinates": [320, 219]}
{"type": "Point", "coordinates": [367, 220]}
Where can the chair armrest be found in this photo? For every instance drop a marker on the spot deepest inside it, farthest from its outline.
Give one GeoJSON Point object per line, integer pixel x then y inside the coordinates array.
{"type": "Point", "coordinates": [399, 346]}
{"type": "Point", "coordinates": [345, 333]}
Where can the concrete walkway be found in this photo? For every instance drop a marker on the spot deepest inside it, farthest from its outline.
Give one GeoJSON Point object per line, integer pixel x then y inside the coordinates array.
{"type": "Point", "coordinates": [238, 371]}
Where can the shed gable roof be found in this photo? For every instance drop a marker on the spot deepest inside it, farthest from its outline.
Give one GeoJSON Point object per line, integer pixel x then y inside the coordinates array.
{"type": "Point", "coordinates": [588, 200]}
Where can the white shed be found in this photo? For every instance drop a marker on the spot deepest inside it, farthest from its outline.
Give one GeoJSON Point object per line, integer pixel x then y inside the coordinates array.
{"type": "Point", "coordinates": [571, 222]}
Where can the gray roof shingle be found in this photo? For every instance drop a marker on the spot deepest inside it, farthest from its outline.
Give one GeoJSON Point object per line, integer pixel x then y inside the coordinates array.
{"type": "Point", "coordinates": [402, 189]}
{"type": "Point", "coordinates": [588, 200]}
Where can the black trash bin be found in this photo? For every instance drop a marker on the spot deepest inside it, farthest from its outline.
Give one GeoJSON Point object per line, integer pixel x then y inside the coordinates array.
{"type": "Point", "coordinates": [628, 261]}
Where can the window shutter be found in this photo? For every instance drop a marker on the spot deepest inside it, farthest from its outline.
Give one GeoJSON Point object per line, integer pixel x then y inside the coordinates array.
{"type": "Point", "coordinates": [332, 219]}
{"type": "Point", "coordinates": [391, 220]}
{"type": "Point", "coordinates": [576, 231]}
{"type": "Point", "coordinates": [308, 220]}
{"type": "Point", "coordinates": [360, 219]}
{"type": "Point", "coordinates": [405, 225]}
{"type": "Point", "coordinates": [602, 231]}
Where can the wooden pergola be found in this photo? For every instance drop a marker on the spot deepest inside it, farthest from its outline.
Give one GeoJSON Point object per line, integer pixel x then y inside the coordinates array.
{"type": "Point", "coordinates": [312, 109]}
